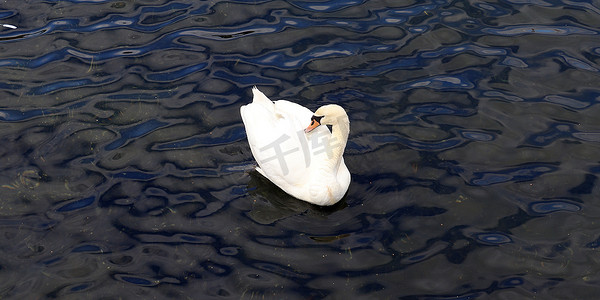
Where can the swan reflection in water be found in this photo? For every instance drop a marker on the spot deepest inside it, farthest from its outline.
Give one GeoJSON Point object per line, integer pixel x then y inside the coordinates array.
{"type": "Point", "coordinates": [271, 204]}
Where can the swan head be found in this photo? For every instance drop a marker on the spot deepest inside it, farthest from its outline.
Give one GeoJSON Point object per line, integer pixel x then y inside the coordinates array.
{"type": "Point", "coordinates": [330, 114]}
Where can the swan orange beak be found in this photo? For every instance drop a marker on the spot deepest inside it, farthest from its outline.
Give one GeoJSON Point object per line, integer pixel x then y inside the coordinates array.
{"type": "Point", "coordinates": [314, 123]}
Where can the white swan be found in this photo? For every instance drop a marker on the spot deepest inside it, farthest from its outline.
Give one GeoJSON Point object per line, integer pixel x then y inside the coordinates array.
{"type": "Point", "coordinates": [294, 152]}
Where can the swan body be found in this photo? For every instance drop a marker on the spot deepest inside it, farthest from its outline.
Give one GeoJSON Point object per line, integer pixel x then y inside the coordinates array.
{"type": "Point", "coordinates": [294, 152]}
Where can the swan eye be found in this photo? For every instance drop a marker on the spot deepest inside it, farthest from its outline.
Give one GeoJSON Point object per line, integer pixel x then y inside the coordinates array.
{"type": "Point", "coordinates": [315, 119]}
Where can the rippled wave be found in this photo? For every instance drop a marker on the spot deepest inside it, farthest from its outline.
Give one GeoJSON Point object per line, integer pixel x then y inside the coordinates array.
{"type": "Point", "coordinates": [473, 149]}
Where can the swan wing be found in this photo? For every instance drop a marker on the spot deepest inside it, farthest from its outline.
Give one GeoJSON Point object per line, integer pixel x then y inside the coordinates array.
{"type": "Point", "coordinates": [275, 132]}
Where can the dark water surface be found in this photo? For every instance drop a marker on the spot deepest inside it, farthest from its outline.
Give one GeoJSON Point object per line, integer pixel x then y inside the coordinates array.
{"type": "Point", "coordinates": [474, 150]}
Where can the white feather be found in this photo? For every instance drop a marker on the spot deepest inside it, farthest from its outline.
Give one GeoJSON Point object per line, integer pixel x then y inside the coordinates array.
{"type": "Point", "coordinates": [297, 162]}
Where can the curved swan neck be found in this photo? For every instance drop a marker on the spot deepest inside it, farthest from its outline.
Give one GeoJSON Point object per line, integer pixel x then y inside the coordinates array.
{"type": "Point", "coordinates": [339, 133]}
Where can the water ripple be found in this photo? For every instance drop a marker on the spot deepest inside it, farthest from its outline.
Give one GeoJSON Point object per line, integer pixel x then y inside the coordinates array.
{"type": "Point", "coordinates": [539, 29]}
{"type": "Point", "coordinates": [524, 173]}
{"type": "Point", "coordinates": [493, 238]}
{"type": "Point", "coordinates": [442, 82]}
{"type": "Point", "coordinates": [135, 131]}
{"type": "Point", "coordinates": [327, 6]}
{"type": "Point", "coordinates": [77, 204]}
{"type": "Point", "coordinates": [550, 206]}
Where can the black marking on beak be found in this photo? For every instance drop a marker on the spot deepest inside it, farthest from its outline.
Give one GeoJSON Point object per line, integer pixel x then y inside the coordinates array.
{"type": "Point", "coordinates": [315, 118]}
{"type": "Point", "coordinates": [315, 121]}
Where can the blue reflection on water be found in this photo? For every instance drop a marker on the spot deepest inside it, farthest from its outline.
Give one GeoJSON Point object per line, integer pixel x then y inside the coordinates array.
{"type": "Point", "coordinates": [134, 132]}
{"type": "Point", "coordinates": [76, 204]}
{"type": "Point", "coordinates": [524, 173]}
{"type": "Point", "coordinates": [550, 206]}
{"type": "Point", "coordinates": [493, 238]}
